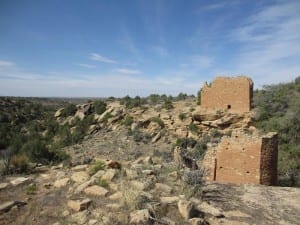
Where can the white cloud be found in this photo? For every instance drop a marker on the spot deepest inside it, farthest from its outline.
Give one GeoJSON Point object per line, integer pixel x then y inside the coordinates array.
{"type": "Point", "coordinates": [128, 71]}
{"type": "Point", "coordinates": [159, 50]}
{"type": "Point", "coordinates": [4, 63]}
{"type": "Point", "coordinates": [100, 58]}
{"type": "Point", "coordinates": [214, 6]}
{"type": "Point", "coordinates": [93, 85]}
{"type": "Point", "coordinates": [86, 65]}
{"type": "Point", "coordinates": [270, 44]}
{"type": "Point", "coordinates": [201, 61]}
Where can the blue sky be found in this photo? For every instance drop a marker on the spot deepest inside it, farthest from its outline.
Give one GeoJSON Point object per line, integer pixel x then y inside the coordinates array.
{"type": "Point", "coordinates": [114, 48]}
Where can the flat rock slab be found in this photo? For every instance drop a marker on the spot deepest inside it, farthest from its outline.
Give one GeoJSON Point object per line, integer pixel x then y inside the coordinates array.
{"type": "Point", "coordinates": [109, 175]}
{"type": "Point", "coordinates": [6, 206]}
{"type": "Point", "coordinates": [80, 168]}
{"type": "Point", "coordinates": [163, 188]}
{"type": "Point", "coordinates": [169, 200]}
{"type": "Point", "coordinates": [79, 205]}
{"type": "Point", "coordinates": [138, 185]}
{"type": "Point", "coordinates": [61, 182]}
{"type": "Point", "coordinates": [3, 186]}
{"type": "Point", "coordinates": [252, 204]}
{"type": "Point", "coordinates": [20, 180]}
{"type": "Point", "coordinates": [80, 177]}
{"type": "Point", "coordinates": [96, 190]}
{"type": "Point", "coordinates": [140, 217]}
{"type": "Point", "coordinates": [116, 196]}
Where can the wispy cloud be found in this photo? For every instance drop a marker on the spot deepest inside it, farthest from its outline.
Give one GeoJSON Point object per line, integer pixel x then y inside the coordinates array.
{"type": "Point", "coordinates": [4, 63]}
{"type": "Point", "coordinates": [159, 50]}
{"type": "Point", "coordinates": [270, 43]}
{"type": "Point", "coordinates": [128, 71]}
{"type": "Point", "coordinates": [127, 41]}
{"type": "Point", "coordinates": [89, 66]}
{"type": "Point", "coordinates": [214, 6]}
{"type": "Point", "coordinates": [100, 58]}
{"type": "Point", "coordinates": [93, 85]}
{"type": "Point", "coordinates": [201, 61]}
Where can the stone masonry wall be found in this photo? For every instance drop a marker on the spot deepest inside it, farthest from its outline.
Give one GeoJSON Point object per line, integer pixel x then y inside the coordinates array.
{"type": "Point", "coordinates": [243, 159]}
{"type": "Point", "coordinates": [269, 155]}
{"type": "Point", "coordinates": [234, 94]}
{"type": "Point", "coordinates": [238, 160]}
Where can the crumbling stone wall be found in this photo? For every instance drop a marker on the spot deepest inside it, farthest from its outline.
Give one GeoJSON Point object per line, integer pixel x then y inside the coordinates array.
{"type": "Point", "coordinates": [234, 94]}
{"type": "Point", "coordinates": [244, 158]}
{"type": "Point", "coordinates": [269, 157]}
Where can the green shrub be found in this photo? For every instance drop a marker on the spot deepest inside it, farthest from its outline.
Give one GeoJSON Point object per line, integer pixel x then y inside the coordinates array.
{"type": "Point", "coordinates": [69, 110]}
{"type": "Point", "coordinates": [277, 109]}
{"type": "Point", "coordinates": [127, 121]}
{"type": "Point", "coordinates": [20, 163]}
{"type": "Point", "coordinates": [158, 121]}
{"type": "Point", "coordinates": [154, 98]}
{"type": "Point", "coordinates": [100, 106]}
{"type": "Point", "coordinates": [132, 102]}
{"type": "Point", "coordinates": [186, 142]}
{"type": "Point", "coordinates": [193, 177]}
{"type": "Point", "coordinates": [4, 118]}
{"type": "Point", "coordinates": [193, 128]}
{"type": "Point", "coordinates": [168, 103]}
{"type": "Point", "coordinates": [181, 96]}
{"type": "Point", "coordinates": [31, 189]}
{"type": "Point", "coordinates": [106, 117]}
{"type": "Point", "coordinates": [51, 127]}
{"type": "Point", "coordinates": [199, 97]}
{"type": "Point", "coordinates": [182, 116]}
{"type": "Point", "coordinates": [99, 165]}
{"type": "Point", "coordinates": [37, 151]}
{"type": "Point", "coordinates": [139, 136]}
{"type": "Point", "coordinates": [102, 183]}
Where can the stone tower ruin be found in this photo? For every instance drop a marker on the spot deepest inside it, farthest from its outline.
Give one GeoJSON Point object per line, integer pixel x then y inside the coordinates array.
{"type": "Point", "coordinates": [245, 156]}
{"type": "Point", "coordinates": [233, 94]}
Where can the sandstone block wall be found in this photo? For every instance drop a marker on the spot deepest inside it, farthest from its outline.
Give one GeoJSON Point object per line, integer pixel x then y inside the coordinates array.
{"type": "Point", "coordinates": [269, 157]}
{"type": "Point", "coordinates": [234, 94]}
{"type": "Point", "coordinates": [244, 159]}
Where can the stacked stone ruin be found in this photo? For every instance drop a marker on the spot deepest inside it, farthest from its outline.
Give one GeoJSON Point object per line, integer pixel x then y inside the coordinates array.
{"type": "Point", "coordinates": [245, 156]}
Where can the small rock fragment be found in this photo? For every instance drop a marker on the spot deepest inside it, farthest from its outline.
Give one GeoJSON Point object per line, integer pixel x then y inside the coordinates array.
{"type": "Point", "coordinates": [80, 177]}
{"type": "Point", "coordinates": [61, 182]}
{"type": "Point", "coordinates": [186, 209]}
{"type": "Point", "coordinates": [79, 205]}
{"type": "Point", "coordinates": [140, 217]}
{"type": "Point", "coordinates": [20, 180]}
{"type": "Point", "coordinates": [96, 190]}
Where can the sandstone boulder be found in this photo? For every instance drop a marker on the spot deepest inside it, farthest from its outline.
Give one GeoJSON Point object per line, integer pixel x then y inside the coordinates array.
{"type": "Point", "coordinates": [169, 200]}
{"type": "Point", "coordinates": [116, 196]}
{"type": "Point", "coordinates": [186, 209]}
{"type": "Point", "coordinates": [61, 182]}
{"type": "Point", "coordinates": [109, 175]}
{"type": "Point", "coordinates": [156, 137]}
{"type": "Point", "coordinates": [20, 180]}
{"type": "Point", "coordinates": [79, 205]}
{"type": "Point", "coordinates": [6, 206]}
{"type": "Point", "coordinates": [164, 188]}
{"type": "Point", "coordinates": [140, 217]}
{"type": "Point", "coordinates": [58, 113]}
{"type": "Point", "coordinates": [80, 177]}
{"type": "Point", "coordinates": [3, 185]}
{"type": "Point", "coordinates": [96, 190]}
{"type": "Point", "coordinates": [80, 168]}
{"type": "Point", "coordinates": [204, 115]}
